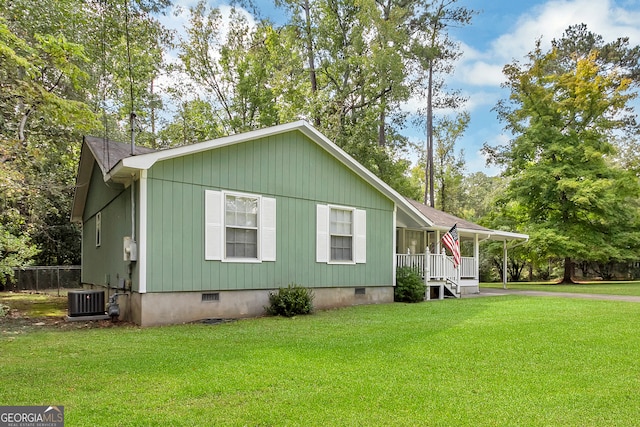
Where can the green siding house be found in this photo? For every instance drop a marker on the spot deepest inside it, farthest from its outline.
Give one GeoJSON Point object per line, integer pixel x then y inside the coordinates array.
{"type": "Point", "coordinates": [208, 230]}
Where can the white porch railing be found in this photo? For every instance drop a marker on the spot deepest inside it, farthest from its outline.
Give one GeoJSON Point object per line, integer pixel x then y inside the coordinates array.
{"type": "Point", "coordinates": [468, 269]}
{"type": "Point", "coordinates": [440, 266]}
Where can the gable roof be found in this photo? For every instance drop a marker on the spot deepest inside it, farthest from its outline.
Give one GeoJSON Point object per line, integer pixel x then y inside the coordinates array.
{"type": "Point", "coordinates": [104, 153]}
{"type": "Point", "coordinates": [109, 153]}
{"type": "Point", "coordinates": [118, 165]}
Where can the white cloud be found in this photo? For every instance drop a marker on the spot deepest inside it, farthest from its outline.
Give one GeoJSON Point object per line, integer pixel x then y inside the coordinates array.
{"type": "Point", "coordinates": [481, 99]}
{"type": "Point", "coordinates": [546, 21]}
{"type": "Point", "coordinates": [481, 73]}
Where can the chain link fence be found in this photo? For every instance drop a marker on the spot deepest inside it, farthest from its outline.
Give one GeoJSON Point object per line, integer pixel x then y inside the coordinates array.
{"type": "Point", "coordinates": [41, 278]}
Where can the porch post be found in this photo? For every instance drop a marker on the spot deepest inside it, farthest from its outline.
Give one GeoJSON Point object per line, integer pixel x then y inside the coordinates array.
{"type": "Point", "coordinates": [427, 272]}
{"type": "Point", "coordinates": [504, 265]}
{"type": "Point", "coordinates": [476, 257]}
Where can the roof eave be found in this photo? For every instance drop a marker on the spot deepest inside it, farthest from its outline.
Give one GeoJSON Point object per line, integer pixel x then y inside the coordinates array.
{"type": "Point", "coordinates": [85, 170]}
{"type": "Point", "coordinates": [500, 235]}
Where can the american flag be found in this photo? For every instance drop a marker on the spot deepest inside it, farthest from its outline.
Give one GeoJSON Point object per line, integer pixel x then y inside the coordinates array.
{"type": "Point", "coordinates": [451, 241]}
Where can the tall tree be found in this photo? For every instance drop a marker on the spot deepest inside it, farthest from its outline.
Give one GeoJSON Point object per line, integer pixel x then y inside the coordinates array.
{"type": "Point", "coordinates": [250, 72]}
{"type": "Point", "coordinates": [433, 53]}
{"type": "Point", "coordinates": [565, 113]}
{"type": "Point", "coordinates": [479, 194]}
{"type": "Point", "coordinates": [449, 165]}
{"type": "Point", "coordinates": [61, 61]}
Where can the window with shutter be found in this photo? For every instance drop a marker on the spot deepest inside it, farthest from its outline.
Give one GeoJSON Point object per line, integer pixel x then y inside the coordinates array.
{"type": "Point", "coordinates": [341, 235]}
{"type": "Point", "coordinates": [239, 227]}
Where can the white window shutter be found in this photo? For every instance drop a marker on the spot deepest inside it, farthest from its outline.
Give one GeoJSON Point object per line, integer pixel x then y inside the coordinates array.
{"type": "Point", "coordinates": [322, 233]}
{"type": "Point", "coordinates": [268, 229]}
{"type": "Point", "coordinates": [360, 232]}
{"type": "Point", "coordinates": [213, 234]}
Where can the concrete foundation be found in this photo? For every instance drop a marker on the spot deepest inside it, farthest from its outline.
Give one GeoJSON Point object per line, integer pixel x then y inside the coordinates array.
{"type": "Point", "coordinates": [165, 308]}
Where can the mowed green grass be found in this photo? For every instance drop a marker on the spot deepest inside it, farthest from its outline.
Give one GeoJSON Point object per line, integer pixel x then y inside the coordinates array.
{"type": "Point", "coordinates": [491, 361]}
{"type": "Point", "coordinates": [609, 288]}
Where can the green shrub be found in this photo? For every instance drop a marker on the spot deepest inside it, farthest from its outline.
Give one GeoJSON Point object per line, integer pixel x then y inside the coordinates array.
{"type": "Point", "coordinates": [409, 286]}
{"type": "Point", "coordinates": [290, 301]}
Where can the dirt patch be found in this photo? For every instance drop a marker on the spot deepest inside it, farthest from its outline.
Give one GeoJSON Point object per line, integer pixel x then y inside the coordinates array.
{"type": "Point", "coordinates": [24, 312]}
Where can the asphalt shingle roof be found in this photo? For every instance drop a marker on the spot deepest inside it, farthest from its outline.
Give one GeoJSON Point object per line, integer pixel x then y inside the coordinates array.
{"type": "Point", "coordinates": [444, 219]}
{"type": "Point", "coordinates": [108, 153]}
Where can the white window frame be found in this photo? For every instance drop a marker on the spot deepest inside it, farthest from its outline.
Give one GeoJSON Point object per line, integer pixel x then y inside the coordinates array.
{"type": "Point", "coordinates": [227, 226]}
{"type": "Point", "coordinates": [216, 227]}
{"type": "Point", "coordinates": [98, 229]}
{"type": "Point", "coordinates": [358, 234]}
{"type": "Point", "coordinates": [336, 234]}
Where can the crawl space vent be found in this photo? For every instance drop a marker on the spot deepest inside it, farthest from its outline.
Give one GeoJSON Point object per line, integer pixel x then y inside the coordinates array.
{"type": "Point", "coordinates": [211, 297]}
{"type": "Point", "coordinates": [361, 291]}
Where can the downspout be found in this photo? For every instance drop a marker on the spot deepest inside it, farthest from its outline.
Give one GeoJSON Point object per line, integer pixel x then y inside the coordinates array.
{"type": "Point", "coordinates": [133, 208]}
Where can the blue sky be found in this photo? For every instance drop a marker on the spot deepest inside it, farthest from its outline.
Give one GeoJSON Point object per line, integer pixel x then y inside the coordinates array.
{"type": "Point", "coordinates": [506, 30]}
{"type": "Point", "coordinates": [502, 31]}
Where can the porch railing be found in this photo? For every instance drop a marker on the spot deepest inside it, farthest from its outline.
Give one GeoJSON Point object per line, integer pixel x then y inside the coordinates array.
{"type": "Point", "coordinates": [440, 266]}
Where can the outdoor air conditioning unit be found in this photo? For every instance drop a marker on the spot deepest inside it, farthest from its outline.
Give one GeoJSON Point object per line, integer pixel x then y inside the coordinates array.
{"type": "Point", "coordinates": [86, 302]}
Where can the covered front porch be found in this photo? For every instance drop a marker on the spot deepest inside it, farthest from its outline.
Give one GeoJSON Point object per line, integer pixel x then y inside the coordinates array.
{"type": "Point", "coordinates": [422, 251]}
{"type": "Point", "coordinates": [418, 246]}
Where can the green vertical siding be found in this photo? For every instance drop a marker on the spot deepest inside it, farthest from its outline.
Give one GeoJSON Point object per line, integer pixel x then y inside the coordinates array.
{"type": "Point", "coordinates": [289, 167]}
{"type": "Point", "coordinates": [104, 265]}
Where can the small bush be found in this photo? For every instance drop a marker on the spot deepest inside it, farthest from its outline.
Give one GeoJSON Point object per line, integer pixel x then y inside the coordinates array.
{"type": "Point", "coordinates": [409, 286]}
{"type": "Point", "coordinates": [290, 301]}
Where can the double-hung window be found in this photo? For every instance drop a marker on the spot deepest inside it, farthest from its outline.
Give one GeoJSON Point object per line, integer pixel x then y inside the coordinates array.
{"type": "Point", "coordinates": [239, 227]}
{"type": "Point", "coordinates": [341, 232]}
{"type": "Point", "coordinates": [341, 235]}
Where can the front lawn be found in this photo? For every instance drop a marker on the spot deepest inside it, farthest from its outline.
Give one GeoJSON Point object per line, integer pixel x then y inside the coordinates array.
{"type": "Point", "coordinates": [507, 360]}
{"type": "Point", "coordinates": [609, 288]}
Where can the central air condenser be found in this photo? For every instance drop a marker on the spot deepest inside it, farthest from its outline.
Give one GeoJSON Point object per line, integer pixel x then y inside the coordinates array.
{"type": "Point", "coordinates": [86, 302]}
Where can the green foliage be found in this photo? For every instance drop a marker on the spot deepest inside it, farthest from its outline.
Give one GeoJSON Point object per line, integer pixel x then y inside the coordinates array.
{"type": "Point", "coordinates": [61, 61]}
{"type": "Point", "coordinates": [15, 251]}
{"type": "Point", "coordinates": [571, 196]}
{"type": "Point", "coordinates": [409, 286]}
{"type": "Point", "coordinates": [290, 301]}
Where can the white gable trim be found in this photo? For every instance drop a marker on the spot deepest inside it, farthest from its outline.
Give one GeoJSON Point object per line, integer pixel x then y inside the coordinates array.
{"type": "Point", "coordinates": [146, 161]}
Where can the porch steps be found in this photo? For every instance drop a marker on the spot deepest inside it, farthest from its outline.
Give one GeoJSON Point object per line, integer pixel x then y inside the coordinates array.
{"type": "Point", "coordinates": [451, 289]}
{"type": "Point", "coordinates": [447, 289]}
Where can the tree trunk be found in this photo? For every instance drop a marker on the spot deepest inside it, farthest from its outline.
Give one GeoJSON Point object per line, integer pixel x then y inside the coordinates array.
{"type": "Point", "coordinates": [568, 271]}
{"type": "Point", "coordinates": [153, 119]}
{"type": "Point", "coordinates": [310, 55]}
{"type": "Point", "coordinates": [382, 139]}
{"type": "Point", "coordinates": [428, 176]}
